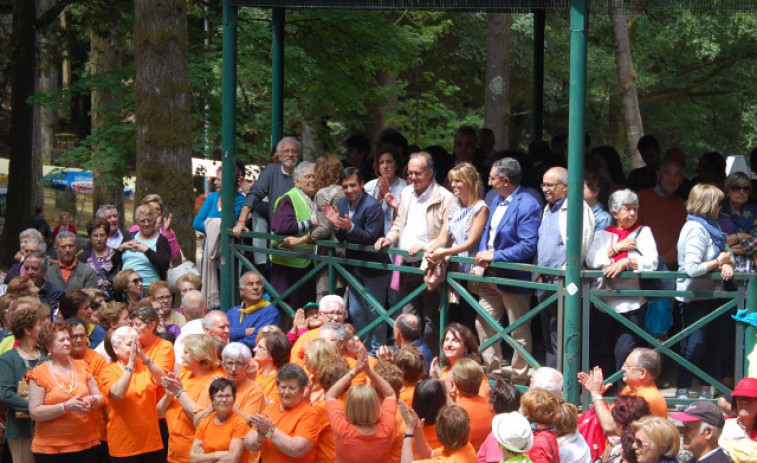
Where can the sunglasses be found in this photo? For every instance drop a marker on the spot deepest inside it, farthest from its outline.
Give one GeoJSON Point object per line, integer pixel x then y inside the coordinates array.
{"type": "Point", "coordinates": [136, 280]}
{"type": "Point", "coordinates": [745, 189]}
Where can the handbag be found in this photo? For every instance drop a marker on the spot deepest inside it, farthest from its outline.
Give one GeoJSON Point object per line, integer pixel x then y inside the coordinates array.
{"type": "Point", "coordinates": [187, 267]}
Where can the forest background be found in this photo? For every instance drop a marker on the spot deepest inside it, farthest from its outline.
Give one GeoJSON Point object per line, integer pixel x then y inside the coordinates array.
{"type": "Point", "coordinates": [346, 72]}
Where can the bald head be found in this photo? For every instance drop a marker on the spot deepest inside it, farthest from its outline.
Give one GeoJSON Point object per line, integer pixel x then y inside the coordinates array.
{"type": "Point", "coordinates": [548, 379]}
{"type": "Point", "coordinates": [407, 328]}
{"type": "Point", "coordinates": [216, 324]}
{"type": "Point", "coordinates": [194, 305]}
{"type": "Point", "coordinates": [555, 184]}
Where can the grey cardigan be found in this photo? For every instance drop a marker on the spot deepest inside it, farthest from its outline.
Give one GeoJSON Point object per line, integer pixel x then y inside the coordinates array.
{"type": "Point", "coordinates": [13, 370]}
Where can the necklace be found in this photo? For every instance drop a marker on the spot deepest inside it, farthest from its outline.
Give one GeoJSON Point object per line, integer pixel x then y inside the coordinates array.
{"type": "Point", "coordinates": [33, 356]}
{"type": "Point", "coordinates": [72, 384]}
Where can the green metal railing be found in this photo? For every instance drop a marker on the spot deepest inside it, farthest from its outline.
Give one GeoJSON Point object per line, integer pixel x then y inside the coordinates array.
{"type": "Point", "coordinates": [326, 260]}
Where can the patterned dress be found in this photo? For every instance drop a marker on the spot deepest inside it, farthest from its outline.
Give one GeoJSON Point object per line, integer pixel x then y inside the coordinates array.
{"type": "Point", "coordinates": [459, 225]}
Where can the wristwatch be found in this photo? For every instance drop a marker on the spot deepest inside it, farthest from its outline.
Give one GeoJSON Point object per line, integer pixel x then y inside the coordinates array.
{"type": "Point", "coordinates": [269, 433]}
{"type": "Point", "coordinates": [128, 368]}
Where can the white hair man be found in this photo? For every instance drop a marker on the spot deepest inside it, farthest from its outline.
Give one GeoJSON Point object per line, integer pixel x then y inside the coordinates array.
{"type": "Point", "coordinates": [330, 309]}
{"type": "Point", "coordinates": [549, 379]}
{"type": "Point", "coordinates": [700, 425]}
{"type": "Point", "coordinates": [195, 308]}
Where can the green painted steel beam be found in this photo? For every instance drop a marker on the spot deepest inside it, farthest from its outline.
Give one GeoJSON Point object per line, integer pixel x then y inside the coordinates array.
{"type": "Point", "coordinates": [228, 142]}
{"type": "Point", "coordinates": [277, 76]}
{"type": "Point", "coordinates": [576, 123]}
{"type": "Point", "coordinates": [750, 333]}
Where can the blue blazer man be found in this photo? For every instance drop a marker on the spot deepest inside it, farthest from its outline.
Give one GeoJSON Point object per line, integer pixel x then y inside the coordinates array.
{"type": "Point", "coordinates": [368, 226]}
{"type": "Point", "coordinates": [516, 235]}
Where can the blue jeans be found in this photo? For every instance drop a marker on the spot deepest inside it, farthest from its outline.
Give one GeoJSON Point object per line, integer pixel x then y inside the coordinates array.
{"type": "Point", "coordinates": [703, 346]}
{"type": "Point", "coordinates": [362, 314]}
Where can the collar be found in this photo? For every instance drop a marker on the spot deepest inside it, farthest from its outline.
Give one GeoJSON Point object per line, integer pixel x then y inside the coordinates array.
{"type": "Point", "coordinates": [69, 267]}
{"type": "Point", "coordinates": [558, 205]}
{"type": "Point", "coordinates": [283, 171]}
{"type": "Point", "coordinates": [426, 195]}
{"type": "Point", "coordinates": [660, 193]}
{"type": "Point", "coordinates": [254, 307]}
{"type": "Point", "coordinates": [512, 193]}
{"type": "Point", "coordinates": [353, 205]}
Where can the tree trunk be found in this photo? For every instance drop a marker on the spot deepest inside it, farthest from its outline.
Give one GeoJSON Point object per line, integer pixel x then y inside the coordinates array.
{"type": "Point", "coordinates": [45, 119]}
{"type": "Point", "coordinates": [164, 138]}
{"type": "Point", "coordinates": [20, 176]}
{"type": "Point", "coordinates": [105, 57]}
{"type": "Point", "coordinates": [497, 95]}
{"type": "Point", "coordinates": [627, 80]}
{"type": "Point", "coordinates": [377, 109]}
{"type": "Point", "coordinates": [309, 143]}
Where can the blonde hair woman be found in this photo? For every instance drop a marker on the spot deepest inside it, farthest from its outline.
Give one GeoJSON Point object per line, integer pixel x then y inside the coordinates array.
{"type": "Point", "coordinates": [147, 252]}
{"type": "Point", "coordinates": [656, 440]}
{"type": "Point", "coordinates": [199, 366]}
{"type": "Point", "coordinates": [163, 224]}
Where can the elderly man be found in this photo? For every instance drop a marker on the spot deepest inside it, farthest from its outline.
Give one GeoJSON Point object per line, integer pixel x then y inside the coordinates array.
{"type": "Point", "coordinates": [510, 235]}
{"type": "Point", "coordinates": [216, 324]}
{"type": "Point", "coordinates": [253, 313]}
{"type": "Point", "coordinates": [117, 234]}
{"type": "Point", "coordinates": [664, 211]}
{"type": "Point", "coordinates": [330, 309]}
{"type": "Point", "coordinates": [359, 219]}
{"type": "Point", "coordinates": [407, 332]}
{"type": "Point", "coordinates": [273, 181]}
{"type": "Point", "coordinates": [420, 218]}
{"type": "Point", "coordinates": [195, 307]}
{"type": "Point", "coordinates": [30, 240]}
{"type": "Point", "coordinates": [639, 372]}
{"type": "Point", "coordinates": [550, 250]}
{"type": "Point", "coordinates": [700, 425]}
{"type": "Point", "coordinates": [548, 379]}
{"type": "Point", "coordinates": [35, 265]}
{"type": "Point", "coordinates": [69, 273]}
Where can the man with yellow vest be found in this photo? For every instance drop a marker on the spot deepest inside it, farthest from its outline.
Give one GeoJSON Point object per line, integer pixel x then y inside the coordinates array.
{"type": "Point", "coordinates": [294, 214]}
{"type": "Point", "coordinates": [253, 313]}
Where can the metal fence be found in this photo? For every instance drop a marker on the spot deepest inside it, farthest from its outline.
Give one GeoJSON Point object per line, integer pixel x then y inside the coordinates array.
{"type": "Point", "coordinates": [744, 296]}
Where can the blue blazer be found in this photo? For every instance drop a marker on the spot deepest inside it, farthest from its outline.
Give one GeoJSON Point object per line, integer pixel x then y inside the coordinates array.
{"type": "Point", "coordinates": [368, 222]}
{"type": "Point", "coordinates": [516, 236]}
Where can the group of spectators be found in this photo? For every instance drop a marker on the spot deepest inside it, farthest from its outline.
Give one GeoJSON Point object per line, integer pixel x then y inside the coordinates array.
{"type": "Point", "coordinates": [102, 359]}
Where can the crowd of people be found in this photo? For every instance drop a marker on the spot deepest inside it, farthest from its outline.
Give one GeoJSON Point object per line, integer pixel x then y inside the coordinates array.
{"type": "Point", "coordinates": [104, 360]}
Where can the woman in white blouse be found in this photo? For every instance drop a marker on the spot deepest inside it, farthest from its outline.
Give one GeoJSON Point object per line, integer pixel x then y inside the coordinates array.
{"type": "Point", "coordinates": [625, 246]}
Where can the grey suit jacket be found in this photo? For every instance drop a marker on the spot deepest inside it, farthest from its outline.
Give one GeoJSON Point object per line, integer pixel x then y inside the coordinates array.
{"type": "Point", "coordinates": [81, 277]}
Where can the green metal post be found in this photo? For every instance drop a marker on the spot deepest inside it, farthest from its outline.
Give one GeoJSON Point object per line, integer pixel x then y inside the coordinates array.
{"type": "Point", "coordinates": [228, 142]}
{"type": "Point", "coordinates": [277, 77]}
{"type": "Point", "coordinates": [750, 333]}
{"type": "Point", "coordinates": [577, 104]}
{"type": "Point", "coordinates": [537, 80]}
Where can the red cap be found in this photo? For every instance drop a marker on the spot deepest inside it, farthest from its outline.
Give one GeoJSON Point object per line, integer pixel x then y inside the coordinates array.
{"type": "Point", "coordinates": [747, 387]}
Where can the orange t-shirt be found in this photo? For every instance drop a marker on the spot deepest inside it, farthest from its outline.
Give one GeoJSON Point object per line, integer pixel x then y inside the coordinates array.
{"type": "Point", "coordinates": [324, 449]}
{"type": "Point", "coordinates": [483, 390]}
{"type": "Point", "coordinates": [429, 431]}
{"type": "Point", "coordinates": [479, 416]}
{"type": "Point", "coordinates": [181, 430]}
{"type": "Point", "coordinates": [268, 384]}
{"type": "Point", "coordinates": [217, 437]}
{"type": "Point", "coordinates": [297, 356]}
{"type": "Point", "coordinates": [463, 455]}
{"type": "Point", "coordinates": [161, 352]}
{"type": "Point", "coordinates": [133, 426]}
{"type": "Point", "coordinates": [352, 445]}
{"type": "Point", "coordinates": [406, 394]}
{"type": "Point", "coordinates": [96, 363]}
{"type": "Point", "coordinates": [300, 421]}
{"type": "Point", "coordinates": [70, 432]}
{"type": "Point", "coordinates": [654, 398]}
{"type": "Point", "coordinates": [395, 455]}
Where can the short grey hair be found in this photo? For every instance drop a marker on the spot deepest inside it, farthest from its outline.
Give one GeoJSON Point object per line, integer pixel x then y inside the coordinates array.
{"type": "Point", "coordinates": [209, 319]}
{"type": "Point", "coordinates": [338, 328]}
{"type": "Point", "coordinates": [105, 207]}
{"type": "Point", "coordinates": [42, 259]}
{"type": "Point", "coordinates": [302, 168]}
{"type": "Point", "coordinates": [426, 157]}
{"type": "Point", "coordinates": [31, 234]}
{"type": "Point", "coordinates": [253, 272]}
{"type": "Point", "coordinates": [288, 140]}
{"type": "Point", "coordinates": [621, 197]}
{"type": "Point", "coordinates": [548, 379]}
{"type": "Point", "coordinates": [194, 304]}
{"type": "Point", "coordinates": [236, 349]}
{"type": "Point", "coordinates": [121, 333]}
{"type": "Point", "coordinates": [330, 298]}
{"type": "Point", "coordinates": [510, 168]}
{"type": "Point", "coordinates": [64, 234]}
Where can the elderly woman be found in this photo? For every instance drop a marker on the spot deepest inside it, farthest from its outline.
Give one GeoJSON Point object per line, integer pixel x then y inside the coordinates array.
{"type": "Point", "coordinates": [288, 430]}
{"type": "Point", "coordinates": [133, 431]}
{"type": "Point", "coordinates": [185, 284]}
{"type": "Point", "coordinates": [318, 352]}
{"type": "Point", "coordinates": [158, 354]}
{"type": "Point", "coordinates": [26, 323]}
{"type": "Point", "coordinates": [147, 252]}
{"type": "Point", "coordinates": [271, 353]}
{"type": "Point", "coordinates": [702, 249]}
{"type": "Point", "coordinates": [294, 213]}
{"type": "Point", "coordinates": [62, 397]}
{"type": "Point", "coordinates": [220, 435]}
{"type": "Point", "coordinates": [738, 220]}
{"type": "Point", "coordinates": [162, 224]}
{"type": "Point", "coordinates": [172, 321]}
{"type": "Point", "coordinates": [627, 245]}
{"type": "Point", "coordinates": [364, 427]}
{"type": "Point", "coordinates": [64, 223]}
{"type": "Point", "coordinates": [657, 440]}
{"type": "Point", "coordinates": [626, 409]}
{"type": "Point", "coordinates": [541, 409]}
{"type": "Point", "coordinates": [127, 286]}
{"type": "Point", "coordinates": [452, 427]}
{"type": "Point", "coordinates": [100, 257]}
{"type": "Point", "coordinates": [199, 366]}
{"type": "Point", "coordinates": [76, 303]}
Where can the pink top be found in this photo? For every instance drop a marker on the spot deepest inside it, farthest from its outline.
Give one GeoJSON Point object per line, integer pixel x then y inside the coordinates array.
{"type": "Point", "coordinates": [293, 337]}
{"type": "Point", "coordinates": [353, 446]}
{"type": "Point", "coordinates": [489, 452]}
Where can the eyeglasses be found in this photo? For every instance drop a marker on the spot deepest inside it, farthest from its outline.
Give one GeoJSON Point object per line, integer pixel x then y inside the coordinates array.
{"type": "Point", "coordinates": [164, 298]}
{"type": "Point", "coordinates": [550, 185]}
{"type": "Point", "coordinates": [745, 188]}
{"type": "Point", "coordinates": [146, 221]}
{"type": "Point", "coordinates": [638, 443]}
{"type": "Point", "coordinates": [288, 389]}
{"type": "Point", "coordinates": [136, 280]}
{"type": "Point", "coordinates": [231, 365]}
{"type": "Point", "coordinates": [630, 367]}
{"type": "Point", "coordinates": [332, 314]}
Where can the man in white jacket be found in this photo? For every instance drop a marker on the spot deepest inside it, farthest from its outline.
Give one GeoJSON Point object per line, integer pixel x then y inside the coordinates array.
{"type": "Point", "coordinates": [550, 250]}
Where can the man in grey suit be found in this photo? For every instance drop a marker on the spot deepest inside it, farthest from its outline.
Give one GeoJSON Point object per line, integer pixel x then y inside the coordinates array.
{"type": "Point", "coordinates": [69, 273]}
